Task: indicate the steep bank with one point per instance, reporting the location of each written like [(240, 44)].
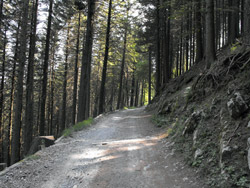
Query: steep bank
[(206, 113)]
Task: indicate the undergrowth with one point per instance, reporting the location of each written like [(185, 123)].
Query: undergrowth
[(77, 127), (159, 120)]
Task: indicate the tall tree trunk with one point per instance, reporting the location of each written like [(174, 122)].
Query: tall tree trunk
[(64, 99), (198, 31), (105, 63), (52, 99), (158, 50), (132, 90), (12, 93), (247, 22), (2, 86), (2, 95), (149, 74), (166, 44), (29, 116), (52, 88), (210, 39), (168, 50), (119, 101), (181, 48), (111, 97), (142, 93), (84, 91), (137, 94), (242, 16), (76, 71), (45, 72), (232, 21), (177, 59), (16, 128), (187, 42)]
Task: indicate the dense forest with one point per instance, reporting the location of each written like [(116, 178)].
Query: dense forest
[(64, 61)]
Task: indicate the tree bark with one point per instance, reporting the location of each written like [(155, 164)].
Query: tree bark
[(105, 63), (158, 50), (64, 99), (198, 31), (45, 72), (232, 21), (247, 22), (210, 39), (132, 90), (29, 116), (149, 73), (119, 101), (84, 91), (2, 95), (16, 128), (12, 93), (76, 71)]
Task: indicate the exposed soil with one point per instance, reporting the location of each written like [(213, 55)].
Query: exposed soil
[(123, 150)]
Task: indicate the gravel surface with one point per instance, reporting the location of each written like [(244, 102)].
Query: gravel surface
[(123, 150)]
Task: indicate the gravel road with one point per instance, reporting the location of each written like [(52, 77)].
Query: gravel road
[(123, 150)]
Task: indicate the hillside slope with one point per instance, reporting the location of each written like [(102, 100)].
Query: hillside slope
[(206, 113)]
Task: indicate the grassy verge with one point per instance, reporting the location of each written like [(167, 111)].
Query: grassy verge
[(77, 127)]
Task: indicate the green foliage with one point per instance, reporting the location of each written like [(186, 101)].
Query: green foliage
[(67, 132), (234, 47), (243, 182), (132, 107), (197, 162), (79, 126)]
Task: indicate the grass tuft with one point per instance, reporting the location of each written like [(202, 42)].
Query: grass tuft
[(77, 127)]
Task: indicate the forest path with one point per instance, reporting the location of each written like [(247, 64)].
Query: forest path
[(123, 150)]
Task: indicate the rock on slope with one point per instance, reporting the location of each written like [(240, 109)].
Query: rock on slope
[(207, 116)]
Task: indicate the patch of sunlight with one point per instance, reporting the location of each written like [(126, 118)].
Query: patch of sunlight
[(116, 118), (130, 148), (187, 90), (136, 140), (89, 154), (131, 117), (107, 158), (162, 136)]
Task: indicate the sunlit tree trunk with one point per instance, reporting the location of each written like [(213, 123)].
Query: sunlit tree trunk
[(76, 71)]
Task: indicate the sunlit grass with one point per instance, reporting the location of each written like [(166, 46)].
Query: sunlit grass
[(77, 127)]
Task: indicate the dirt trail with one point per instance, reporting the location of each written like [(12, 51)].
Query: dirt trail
[(124, 150)]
